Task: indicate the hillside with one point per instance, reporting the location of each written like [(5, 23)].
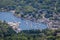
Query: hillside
[(44, 11), (7, 33), (34, 10)]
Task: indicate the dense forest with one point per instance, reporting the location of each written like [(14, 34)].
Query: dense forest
[(7, 33), (31, 9)]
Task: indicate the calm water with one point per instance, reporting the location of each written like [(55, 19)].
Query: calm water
[(24, 24)]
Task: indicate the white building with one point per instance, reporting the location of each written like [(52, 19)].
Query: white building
[(15, 26)]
